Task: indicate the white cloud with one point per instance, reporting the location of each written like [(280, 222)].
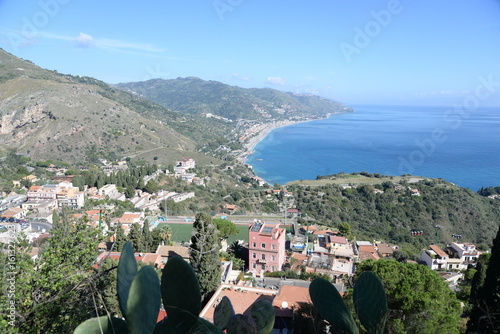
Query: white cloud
[(237, 76), (275, 81), (84, 41)]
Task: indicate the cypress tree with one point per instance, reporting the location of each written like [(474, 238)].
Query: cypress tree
[(135, 237), (147, 238), (204, 253), (485, 294), (120, 239)]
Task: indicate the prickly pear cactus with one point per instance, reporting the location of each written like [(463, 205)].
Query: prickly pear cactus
[(331, 306), (262, 312), (241, 324), (370, 302), (223, 313)]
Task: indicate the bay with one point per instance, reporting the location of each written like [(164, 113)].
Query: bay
[(459, 146)]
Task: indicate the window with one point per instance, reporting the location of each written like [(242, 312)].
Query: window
[(254, 255), (273, 246), (254, 266), (263, 256), (263, 245), (273, 257), (263, 267), (254, 244), (272, 268)]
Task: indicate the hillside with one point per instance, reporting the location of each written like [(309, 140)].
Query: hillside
[(196, 96), (388, 210), (47, 115)]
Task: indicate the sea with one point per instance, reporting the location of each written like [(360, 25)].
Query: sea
[(458, 145)]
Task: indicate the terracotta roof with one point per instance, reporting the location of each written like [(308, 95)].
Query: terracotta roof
[(170, 251), (385, 249), (338, 240), (366, 248), (294, 296), (438, 251), (368, 255), (241, 300)]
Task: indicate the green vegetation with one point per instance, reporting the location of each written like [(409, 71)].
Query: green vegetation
[(389, 211), (204, 253), (485, 293), (419, 299)]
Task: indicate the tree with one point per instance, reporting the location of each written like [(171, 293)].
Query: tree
[(226, 228), (135, 237), (344, 229), (55, 293), (204, 253), (129, 191), (120, 239), (147, 238), (485, 297), (419, 300), (151, 187), (161, 235)]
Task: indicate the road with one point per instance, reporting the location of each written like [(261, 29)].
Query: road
[(38, 226)]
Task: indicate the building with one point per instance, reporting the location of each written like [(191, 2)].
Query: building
[(466, 252), (435, 257), (266, 243), (63, 192)]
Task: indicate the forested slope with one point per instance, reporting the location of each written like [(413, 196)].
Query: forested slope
[(393, 214)]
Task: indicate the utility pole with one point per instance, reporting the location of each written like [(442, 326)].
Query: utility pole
[(438, 229)]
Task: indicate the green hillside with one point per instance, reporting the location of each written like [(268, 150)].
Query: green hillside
[(48, 115), (390, 211), (196, 96)]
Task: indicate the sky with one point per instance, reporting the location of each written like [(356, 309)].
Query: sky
[(396, 52)]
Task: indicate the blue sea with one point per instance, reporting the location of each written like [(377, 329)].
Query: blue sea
[(458, 145)]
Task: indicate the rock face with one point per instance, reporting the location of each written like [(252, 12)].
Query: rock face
[(47, 115), (17, 120)]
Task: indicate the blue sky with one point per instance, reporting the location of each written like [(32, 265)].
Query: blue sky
[(357, 52)]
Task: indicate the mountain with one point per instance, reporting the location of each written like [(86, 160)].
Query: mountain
[(48, 115), (192, 95)]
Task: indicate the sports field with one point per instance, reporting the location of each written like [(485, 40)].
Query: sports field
[(183, 232)]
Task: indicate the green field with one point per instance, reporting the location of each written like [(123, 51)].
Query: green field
[(183, 232)]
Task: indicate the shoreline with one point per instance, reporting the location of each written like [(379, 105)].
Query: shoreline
[(263, 131)]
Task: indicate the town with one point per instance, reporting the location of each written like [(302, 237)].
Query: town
[(277, 257)]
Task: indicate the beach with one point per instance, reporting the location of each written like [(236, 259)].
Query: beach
[(259, 132)]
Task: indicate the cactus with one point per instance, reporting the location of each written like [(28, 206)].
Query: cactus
[(370, 302), (102, 325), (181, 294), (139, 297), (331, 306), (143, 301), (241, 324), (127, 269), (223, 313), (262, 312)]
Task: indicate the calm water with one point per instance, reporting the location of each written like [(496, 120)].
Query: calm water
[(392, 140)]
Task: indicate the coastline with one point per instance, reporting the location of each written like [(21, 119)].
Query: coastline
[(263, 131)]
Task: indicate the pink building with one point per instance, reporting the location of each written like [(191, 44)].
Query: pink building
[(266, 243)]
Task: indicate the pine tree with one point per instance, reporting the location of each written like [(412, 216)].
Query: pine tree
[(204, 254)]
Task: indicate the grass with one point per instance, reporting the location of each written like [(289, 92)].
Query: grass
[(183, 232)]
